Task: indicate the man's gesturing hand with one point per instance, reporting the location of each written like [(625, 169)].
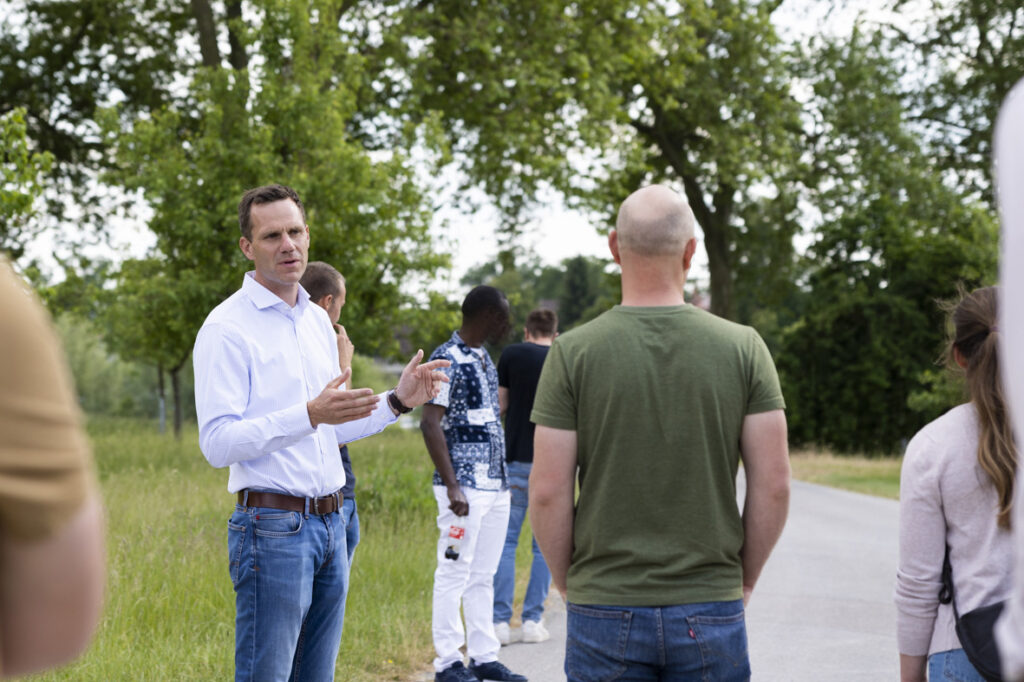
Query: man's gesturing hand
[(420, 383), (335, 406)]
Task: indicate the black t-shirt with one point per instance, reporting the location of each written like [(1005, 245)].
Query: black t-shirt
[(518, 371)]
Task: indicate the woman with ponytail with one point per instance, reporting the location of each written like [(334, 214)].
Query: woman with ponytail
[(956, 492)]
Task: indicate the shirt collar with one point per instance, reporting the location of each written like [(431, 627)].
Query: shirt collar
[(263, 297), (465, 347)]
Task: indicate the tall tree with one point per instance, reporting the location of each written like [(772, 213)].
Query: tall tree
[(597, 98), (283, 120), (61, 59), (969, 53), (892, 238)]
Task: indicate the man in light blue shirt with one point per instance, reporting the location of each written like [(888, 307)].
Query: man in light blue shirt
[(271, 406)]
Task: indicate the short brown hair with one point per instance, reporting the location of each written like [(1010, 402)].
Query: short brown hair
[(267, 194), (542, 322), (321, 279)]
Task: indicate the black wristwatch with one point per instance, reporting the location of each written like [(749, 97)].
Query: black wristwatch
[(396, 404)]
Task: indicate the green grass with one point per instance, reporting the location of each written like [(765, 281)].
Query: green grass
[(169, 612), (871, 475)]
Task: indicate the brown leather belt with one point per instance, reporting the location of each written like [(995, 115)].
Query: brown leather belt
[(328, 504)]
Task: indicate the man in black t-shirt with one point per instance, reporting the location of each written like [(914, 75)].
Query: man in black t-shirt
[(518, 372)]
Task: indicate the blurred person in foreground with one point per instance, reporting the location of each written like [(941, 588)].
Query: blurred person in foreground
[(1009, 171), (518, 372), (653, 405), (271, 406), (956, 487), (326, 287), (51, 519), (462, 432)]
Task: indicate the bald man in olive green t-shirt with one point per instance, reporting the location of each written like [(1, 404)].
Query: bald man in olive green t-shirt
[(654, 404)]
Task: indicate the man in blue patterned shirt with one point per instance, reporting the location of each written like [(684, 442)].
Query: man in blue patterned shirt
[(462, 431)]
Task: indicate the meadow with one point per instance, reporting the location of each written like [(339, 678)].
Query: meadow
[(870, 475), (169, 611)]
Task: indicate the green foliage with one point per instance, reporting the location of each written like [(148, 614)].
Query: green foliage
[(283, 121), (597, 98), (578, 289), (968, 54), (59, 61), (161, 558), (876, 147), (105, 384), (940, 390), (893, 240), (21, 171)]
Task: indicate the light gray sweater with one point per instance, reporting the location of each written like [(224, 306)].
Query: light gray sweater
[(946, 497)]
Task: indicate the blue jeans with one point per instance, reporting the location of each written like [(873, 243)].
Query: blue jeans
[(350, 515), (290, 573), (952, 666), (505, 578), (706, 642)]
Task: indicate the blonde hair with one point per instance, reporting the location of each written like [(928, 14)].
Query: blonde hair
[(974, 336)]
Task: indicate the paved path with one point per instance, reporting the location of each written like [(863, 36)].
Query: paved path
[(822, 610)]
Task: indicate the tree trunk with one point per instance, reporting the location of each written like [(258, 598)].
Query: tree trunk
[(717, 240), (717, 244), (162, 410), (238, 58), (713, 219), (207, 29), (176, 391)]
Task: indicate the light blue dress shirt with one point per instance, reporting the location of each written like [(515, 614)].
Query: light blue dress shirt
[(257, 362)]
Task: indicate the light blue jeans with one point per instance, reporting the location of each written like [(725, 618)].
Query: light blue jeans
[(952, 666), (705, 642), (290, 573), (505, 578)]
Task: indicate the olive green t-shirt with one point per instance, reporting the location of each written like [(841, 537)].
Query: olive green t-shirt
[(657, 397)]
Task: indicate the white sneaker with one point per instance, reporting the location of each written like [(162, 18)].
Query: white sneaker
[(503, 633), (534, 631)]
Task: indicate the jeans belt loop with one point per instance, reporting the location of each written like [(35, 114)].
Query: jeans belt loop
[(245, 498)]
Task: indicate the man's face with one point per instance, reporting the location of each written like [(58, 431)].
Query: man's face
[(337, 303), (500, 326), (279, 245)]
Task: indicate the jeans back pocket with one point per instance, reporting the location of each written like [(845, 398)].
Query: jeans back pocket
[(596, 644)]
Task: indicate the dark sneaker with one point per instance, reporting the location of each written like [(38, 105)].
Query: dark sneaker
[(494, 672), (456, 672)]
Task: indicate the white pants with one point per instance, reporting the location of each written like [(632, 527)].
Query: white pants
[(470, 578)]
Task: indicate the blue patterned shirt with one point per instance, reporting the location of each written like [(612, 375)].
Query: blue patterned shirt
[(471, 422)]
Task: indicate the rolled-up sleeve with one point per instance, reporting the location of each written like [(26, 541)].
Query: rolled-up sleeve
[(922, 548), (222, 386)]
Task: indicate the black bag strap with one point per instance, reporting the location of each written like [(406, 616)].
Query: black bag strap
[(946, 594)]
